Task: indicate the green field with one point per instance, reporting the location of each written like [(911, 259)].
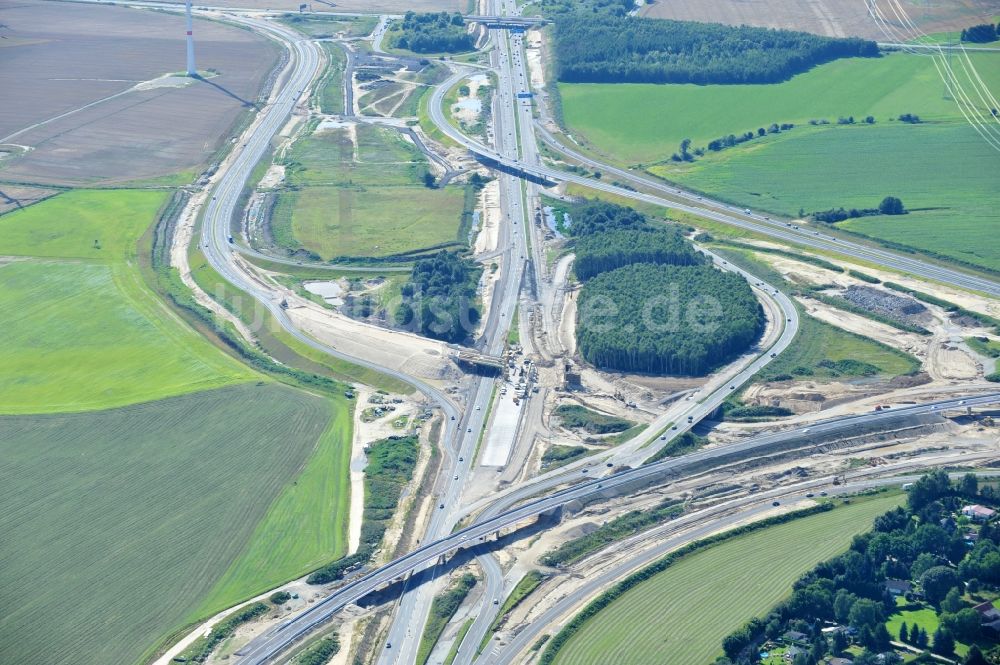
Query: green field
[(117, 523), (362, 199), (681, 615), (644, 123), (944, 173), (100, 225), (303, 529), (82, 331), (942, 169)]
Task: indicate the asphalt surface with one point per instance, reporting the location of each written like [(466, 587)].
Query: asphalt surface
[(713, 520), (275, 641)]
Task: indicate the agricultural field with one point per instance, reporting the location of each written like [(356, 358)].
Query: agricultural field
[(941, 168), (320, 26), (680, 615), (363, 197), (834, 18), (948, 195), (119, 522), (303, 529), (82, 330), (116, 93), (616, 119)]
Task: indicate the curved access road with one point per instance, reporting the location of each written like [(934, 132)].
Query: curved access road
[(277, 640)]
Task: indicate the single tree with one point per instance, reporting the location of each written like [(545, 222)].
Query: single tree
[(891, 205), (975, 657), (952, 601), (904, 634), (944, 643)]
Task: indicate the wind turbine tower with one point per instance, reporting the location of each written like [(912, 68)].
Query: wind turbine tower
[(191, 71)]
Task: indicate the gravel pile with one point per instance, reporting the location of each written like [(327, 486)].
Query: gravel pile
[(898, 307)]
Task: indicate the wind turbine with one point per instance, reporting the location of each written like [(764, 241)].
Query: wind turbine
[(191, 71)]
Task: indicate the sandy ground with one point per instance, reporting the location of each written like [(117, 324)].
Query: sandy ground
[(489, 219), (418, 356), (836, 18), (465, 110), (533, 56), (358, 463), (72, 55), (798, 271), (274, 177)]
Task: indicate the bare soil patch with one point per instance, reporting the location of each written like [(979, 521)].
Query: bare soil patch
[(836, 18), (69, 56), (15, 197)]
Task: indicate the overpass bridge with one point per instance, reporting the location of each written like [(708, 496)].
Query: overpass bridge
[(507, 22)]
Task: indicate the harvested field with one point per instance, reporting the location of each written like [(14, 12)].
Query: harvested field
[(680, 615), (117, 523), (67, 56), (836, 18), (16, 197)]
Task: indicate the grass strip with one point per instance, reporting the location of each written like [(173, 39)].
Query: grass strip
[(521, 590), (442, 610)]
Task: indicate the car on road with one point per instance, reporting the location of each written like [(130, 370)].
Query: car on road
[(456, 477), (461, 459), (441, 506), (805, 430), (479, 408), (810, 495), (822, 493), (469, 429), (609, 464), (496, 602), (775, 503)]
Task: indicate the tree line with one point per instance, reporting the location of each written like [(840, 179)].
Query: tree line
[(922, 545), (434, 33), (640, 50), (602, 252), (890, 205), (982, 33)]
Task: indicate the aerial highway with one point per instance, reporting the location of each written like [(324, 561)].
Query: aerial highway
[(688, 529), (275, 641)]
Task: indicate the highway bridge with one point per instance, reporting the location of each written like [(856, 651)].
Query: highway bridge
[(275, 641), (506, 22)]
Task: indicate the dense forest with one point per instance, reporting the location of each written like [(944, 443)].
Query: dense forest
[(591, 217), (439, 301), (681, 320), (925, 558), (639, 50), (601, 252), (433, 33)]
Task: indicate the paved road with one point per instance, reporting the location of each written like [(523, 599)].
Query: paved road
[(275, 641), (720, 212), (712, 520), (414, 606)]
